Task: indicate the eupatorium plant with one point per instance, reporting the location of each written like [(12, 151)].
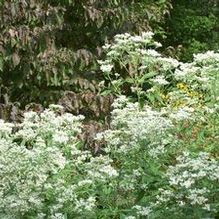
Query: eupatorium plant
[(160, 158), (44, 174)]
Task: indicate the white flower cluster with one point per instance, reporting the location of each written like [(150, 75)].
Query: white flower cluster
[(130, 217), (149, 52), (168, 63), (127, 43), (137, 62), (124, 39), (202, 73), (85, 204), (209, 57), (142, 211), (5, 128), (42, 171), (189, 178), (160, 80), (190, 170), (106, 67), (50, 127), (130, 180), (131, 125), (100, 168), (24, 174), (183, 113)]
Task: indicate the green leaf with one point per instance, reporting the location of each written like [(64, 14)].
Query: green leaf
[(148, 75)]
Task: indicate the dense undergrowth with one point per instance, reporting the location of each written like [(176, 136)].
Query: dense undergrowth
[(159, 156)]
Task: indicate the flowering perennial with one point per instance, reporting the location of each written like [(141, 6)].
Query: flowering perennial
[(159, 156)]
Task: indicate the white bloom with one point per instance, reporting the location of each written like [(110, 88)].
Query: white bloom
[(160, 80), (30, 116), (187, 184), (58, 216), (99, 136), (157, 44), (85, 182), (169, 62), (131, 125), (130, 217), (60, 137), (148, 34), (180, 74), (5, 128), (85, 204), (137, 39), (142, 211), (182, 114), (149, 52), (111, 172), (106, 68), (205, 57), (106, 46), (152, 52), (117, 75)]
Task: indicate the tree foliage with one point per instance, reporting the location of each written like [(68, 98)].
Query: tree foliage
[(50, 46), (193, 27)]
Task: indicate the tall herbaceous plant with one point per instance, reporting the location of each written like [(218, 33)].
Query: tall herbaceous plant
[(159, 155)]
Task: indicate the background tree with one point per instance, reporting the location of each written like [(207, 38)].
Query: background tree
[(192, 27), (48, 47)]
